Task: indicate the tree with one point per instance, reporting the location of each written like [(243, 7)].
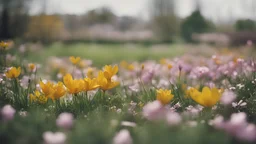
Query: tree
[(164, 20), (45, 28), (195, 23), (100, 15), (14, 18), (245, 25)]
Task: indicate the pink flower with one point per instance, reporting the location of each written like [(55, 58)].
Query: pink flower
[(236, 123), (217, 122), (147, 77), (154, 110), (54, 138), (122, 137), (227, 97), (247, 133), (65, 120), (173, 118), (8, 112)]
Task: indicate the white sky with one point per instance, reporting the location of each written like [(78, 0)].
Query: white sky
[(214, 9)]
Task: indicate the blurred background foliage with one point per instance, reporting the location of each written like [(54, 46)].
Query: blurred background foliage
[(102, 24)]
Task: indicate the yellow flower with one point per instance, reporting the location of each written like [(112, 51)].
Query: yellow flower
[(207, 98), (110, 71), (38, 97), (164, 96), (74, 60), (142, 67), (130, 67), (59, 90), (31, 66), (169, 66), (163, 61), (74, 86), (4, 45), (53, 91), (13, 72), (104, 83), (90, 84), (123, 64), (89, 73), (47, 89)]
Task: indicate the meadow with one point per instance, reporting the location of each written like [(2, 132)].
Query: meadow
[(127, 94)]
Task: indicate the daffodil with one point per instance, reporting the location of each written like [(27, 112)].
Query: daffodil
[(90, 84), (74, 60), (73, 86), (105, 83), (13, 72), (110, 71), (164, 96), (38, 97), (207, 98)]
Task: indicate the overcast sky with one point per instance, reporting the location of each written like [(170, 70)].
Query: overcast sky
[(214, 9)]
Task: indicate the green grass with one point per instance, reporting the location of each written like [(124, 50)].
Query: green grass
[(102, 54)]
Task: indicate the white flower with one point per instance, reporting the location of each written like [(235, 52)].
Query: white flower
[(54, 138), (135, 87), (128, 124), (240, 86), (65, 120), (8, 112), (122, 137), (239, 104)]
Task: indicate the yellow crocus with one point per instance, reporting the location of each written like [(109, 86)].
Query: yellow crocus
[(74, 60), (73, 86), (59, 90), (90, 73), (104, 83), (4, 45), (31, 66), (164, 96), (38, 97), (110, 71), (130, 67), (169, 66), (90, 84), (207, 98), (53, 91), (47, 88), (13, 72), (163, 61), (123, 64)]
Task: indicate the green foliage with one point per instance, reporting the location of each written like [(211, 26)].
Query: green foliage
[(245, 25), (195, 23), (165, 23)]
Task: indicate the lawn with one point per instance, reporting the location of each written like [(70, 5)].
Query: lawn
[(102, 54)]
